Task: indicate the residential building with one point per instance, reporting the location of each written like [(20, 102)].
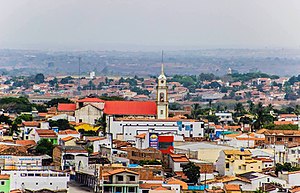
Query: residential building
[(37, 180), (5, 183), (120, 180), (232, 162)]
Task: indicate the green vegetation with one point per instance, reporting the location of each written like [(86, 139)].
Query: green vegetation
[(285, 167), (252, 75), (192, 172), (54, 102), (149, 162), (62, 124), (44, 146), (16, 105)]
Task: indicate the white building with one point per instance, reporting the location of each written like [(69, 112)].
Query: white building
[(37, 180), (127, 129), (224, 117)]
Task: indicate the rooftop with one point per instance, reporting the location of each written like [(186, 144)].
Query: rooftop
[(130, 108)]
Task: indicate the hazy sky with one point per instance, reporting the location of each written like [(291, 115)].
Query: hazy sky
[(89, 24)]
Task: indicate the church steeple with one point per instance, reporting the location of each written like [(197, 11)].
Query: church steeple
[(162, 94)]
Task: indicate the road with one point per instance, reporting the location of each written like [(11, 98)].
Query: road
[(77, 188)]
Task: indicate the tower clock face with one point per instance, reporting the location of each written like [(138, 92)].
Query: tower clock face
[(162, 81)]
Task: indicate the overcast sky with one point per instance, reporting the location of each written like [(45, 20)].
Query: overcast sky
[(92, 24)]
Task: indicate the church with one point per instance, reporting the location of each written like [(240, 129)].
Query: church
[(129, 120)]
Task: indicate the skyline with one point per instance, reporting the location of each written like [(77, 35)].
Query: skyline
[(149, 25)]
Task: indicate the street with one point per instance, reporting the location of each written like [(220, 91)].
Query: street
[(77, 188)]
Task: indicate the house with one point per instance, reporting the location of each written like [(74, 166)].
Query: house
[(120, 180), (259, 180), (224, 117), (68, 133), (50, 135), (292, 178), (281, 137), (27, 127), (177, 161), (66, 108), (232, 162), (16, 157), (35, 180), (5, 183), (162, 190), (65, 156), (99, 142), (288, 117)]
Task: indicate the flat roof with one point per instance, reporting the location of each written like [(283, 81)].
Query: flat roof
[(195, 146)]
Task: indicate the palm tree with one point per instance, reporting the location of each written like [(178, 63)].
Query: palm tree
[(239, 109)]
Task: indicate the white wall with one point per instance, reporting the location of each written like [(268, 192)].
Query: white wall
[(40, 179), (130, 128)]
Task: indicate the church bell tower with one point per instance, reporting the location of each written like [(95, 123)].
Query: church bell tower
[(162, 96)]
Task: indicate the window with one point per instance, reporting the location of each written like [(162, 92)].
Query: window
[(241, 157), (240, 167), (30, 174), (2, 183), (161, 112), (118, 189), (80, 120), (50, 183), (131, 178), (290, 139), (131, 189), (36, 183), (161, 97), (23, 175), (268, 179), (227, 165), (229, 156), (120, 178), (279, 139), (293, 151)]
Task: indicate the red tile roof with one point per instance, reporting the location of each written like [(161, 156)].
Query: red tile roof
[(66, 107), (45, 133), (179, 158), (232, 187), (90, 100), (117, 171), (68, 132), (67, 138), (31, 123), (130, 108), (25, 142), (4, 176)]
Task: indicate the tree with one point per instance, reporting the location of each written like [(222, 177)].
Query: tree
[(44, 146), (62, 124), (239, 109), (54, 102), (23, 117), (39, 78), (192, 172)]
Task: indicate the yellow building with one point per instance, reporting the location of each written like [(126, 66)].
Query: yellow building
[(232, 162), (86, 127)]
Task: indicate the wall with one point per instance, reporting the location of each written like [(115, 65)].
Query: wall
[(130, 128), (39, 180), (88, 114), (5, 187)]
